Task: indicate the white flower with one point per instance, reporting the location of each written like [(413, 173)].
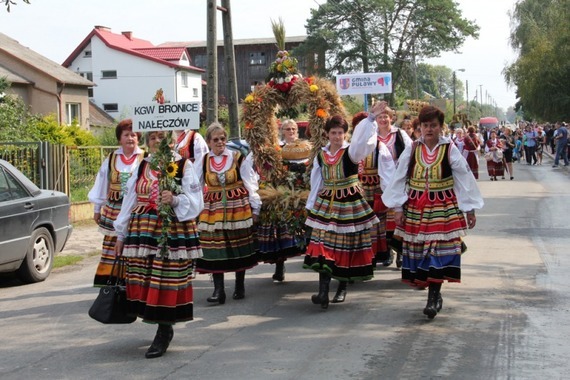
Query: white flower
[(280, 81), (288, 79)]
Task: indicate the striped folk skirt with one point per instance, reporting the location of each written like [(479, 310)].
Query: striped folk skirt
[(276, 243), (109, 214), (372, 194), (341, 243), (431, 261), (226, 235), (160, 290), (431, 234), (343, 256)]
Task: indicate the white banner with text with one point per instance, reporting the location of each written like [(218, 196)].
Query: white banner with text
[(364, 83), (166, 117)]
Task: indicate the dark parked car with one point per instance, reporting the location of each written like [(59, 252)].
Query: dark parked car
[(34, 225)]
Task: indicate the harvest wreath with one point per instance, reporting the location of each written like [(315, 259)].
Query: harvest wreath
[(282, 201)]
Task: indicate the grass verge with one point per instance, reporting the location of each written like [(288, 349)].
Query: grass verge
[(62, 261)]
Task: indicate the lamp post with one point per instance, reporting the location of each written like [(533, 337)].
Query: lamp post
[(454, 80)]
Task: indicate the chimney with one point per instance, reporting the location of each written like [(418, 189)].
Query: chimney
[(129, 35), (104, 28)]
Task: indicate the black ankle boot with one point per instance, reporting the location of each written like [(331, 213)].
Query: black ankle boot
[(239, 292), (340, 292), (431, 308), (219, 294), (322, 297), (161, 341), (279, 274)]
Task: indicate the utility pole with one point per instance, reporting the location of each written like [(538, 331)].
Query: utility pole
[(454, 112), (481, 95), (229, 55), (212, 51), (467, 97)]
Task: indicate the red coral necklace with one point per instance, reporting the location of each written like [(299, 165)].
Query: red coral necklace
[(218, 167)]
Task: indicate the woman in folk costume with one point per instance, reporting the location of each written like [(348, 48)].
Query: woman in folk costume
[(159, 274), (396, 140), (433, 193), (340, 246), (108, 191), (494, 148), (471, 151), (374, 173), (276, 241), (191, 145), (231, 207)]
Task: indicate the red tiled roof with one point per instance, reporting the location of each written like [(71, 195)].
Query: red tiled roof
[(122, 41), (168, 54), (126, 43)]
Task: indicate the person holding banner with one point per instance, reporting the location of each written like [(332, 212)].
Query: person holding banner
[(232, 207), (340, 245), (159, 272), (108, 192)]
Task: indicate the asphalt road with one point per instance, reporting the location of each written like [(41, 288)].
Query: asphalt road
[(506, 320)]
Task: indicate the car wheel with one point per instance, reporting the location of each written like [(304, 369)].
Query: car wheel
[(39, 259)]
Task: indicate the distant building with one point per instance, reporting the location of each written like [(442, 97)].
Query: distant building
[(128, 71), (253, 58), (45, 86)]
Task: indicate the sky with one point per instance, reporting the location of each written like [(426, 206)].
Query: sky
[(54, 28)]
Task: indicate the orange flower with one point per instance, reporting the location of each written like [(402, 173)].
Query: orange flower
[(248, 125), (322, 113)]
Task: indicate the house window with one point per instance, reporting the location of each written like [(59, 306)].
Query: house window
[(257, 58), (195, 92), (111, 107), (109, 74), (72, 112), (90, 92), (184, 76), (87, 53), (200, 61), (87, 75)]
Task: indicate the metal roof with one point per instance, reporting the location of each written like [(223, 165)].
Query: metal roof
[(247, 41)]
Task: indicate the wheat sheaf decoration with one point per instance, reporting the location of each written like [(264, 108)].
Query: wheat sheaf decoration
[(286, 89)]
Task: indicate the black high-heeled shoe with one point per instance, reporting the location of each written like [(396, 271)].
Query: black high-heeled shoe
[(322, 298), (161, 341), (239, 292), (340, 295)]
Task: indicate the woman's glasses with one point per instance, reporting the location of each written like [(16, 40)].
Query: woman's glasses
[(219, 139)]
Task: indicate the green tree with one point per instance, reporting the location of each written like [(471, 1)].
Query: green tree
[(383, 35), (541, 73), (15, 120)]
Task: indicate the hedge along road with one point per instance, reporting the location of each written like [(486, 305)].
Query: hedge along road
[(505, 320)]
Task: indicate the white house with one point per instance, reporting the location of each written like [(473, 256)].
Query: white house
[(128, 71)]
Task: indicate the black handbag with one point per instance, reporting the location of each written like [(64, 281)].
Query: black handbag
[(110, 306)]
